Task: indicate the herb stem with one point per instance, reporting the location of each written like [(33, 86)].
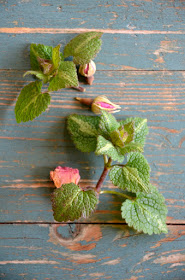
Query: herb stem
[(118, 193), (79, 88), (107, 164)]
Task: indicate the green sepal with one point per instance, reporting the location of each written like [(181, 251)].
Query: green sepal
[(70, 202), (31, 102), (84, 131), (146, 213), (84, 47)]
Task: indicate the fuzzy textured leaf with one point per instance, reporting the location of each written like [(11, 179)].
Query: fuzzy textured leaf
[(70, 202), (134, 176), (84, 47), (105, 147), (84, 131), (146, 213), (56, 57), (66, 77), (140, 129), (31, 102), (39, 50), (40, 75), (108, 124), (131, 147)]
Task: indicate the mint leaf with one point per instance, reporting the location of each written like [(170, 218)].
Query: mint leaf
[(38, 74), (83, 47), (105, 147), (108, 124), (66, 77), (84, 131), (129, 128), (140, 130), (70, 202), (56, 57), (131, 147), (146, 213), (31, 102), (134, 176), (39, 50)]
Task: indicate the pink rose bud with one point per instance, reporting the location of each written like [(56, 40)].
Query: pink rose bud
[(87, 70), (64, 175), (102, 103)]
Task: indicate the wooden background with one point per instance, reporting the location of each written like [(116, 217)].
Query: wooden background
[(141, 67)]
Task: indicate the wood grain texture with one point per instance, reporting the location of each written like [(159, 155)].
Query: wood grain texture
[(119, 51), (30, 150), (158, 15), (90, 252), (139, 35)]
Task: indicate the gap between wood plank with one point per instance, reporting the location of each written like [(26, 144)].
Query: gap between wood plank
[(71, 223), (27, 30)]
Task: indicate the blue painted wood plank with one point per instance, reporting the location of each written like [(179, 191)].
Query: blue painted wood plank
[(90, 252), (119, 51), (127, 15), (30, 150)]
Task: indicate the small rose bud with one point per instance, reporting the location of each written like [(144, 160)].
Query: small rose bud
[(102, 103), (64, 175), (87, 70)]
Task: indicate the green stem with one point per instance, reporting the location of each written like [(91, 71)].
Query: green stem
[(118, 193)]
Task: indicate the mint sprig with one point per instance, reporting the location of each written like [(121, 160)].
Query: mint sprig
[(123, 142), (48, 65)]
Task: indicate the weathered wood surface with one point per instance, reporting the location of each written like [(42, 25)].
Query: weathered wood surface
[(119, 51), (139, 35), (90, 252), (37, 147)]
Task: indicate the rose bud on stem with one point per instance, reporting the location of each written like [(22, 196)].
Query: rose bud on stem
[(88, 70), (100, 103)]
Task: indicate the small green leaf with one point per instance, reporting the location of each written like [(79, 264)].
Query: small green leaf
[(39, 50), (108, 124), (84, 131), (131, 147), (38, 74), (105, 147), (66, 77), (146, 213), (134, 176), (140, 130), (129, 128), (84, 47), (31, 102), (56, 57), (70, 202)]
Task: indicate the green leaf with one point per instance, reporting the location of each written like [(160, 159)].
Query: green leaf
[(66, 77), (84, 47), (129, 128), (134, 176), (105, 147), (108, 124), (31, 102), (70, 202), (146, 213), (131, 147), (84, 131), (140, 130), (38, 74), (56, 57), (39, 50)]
